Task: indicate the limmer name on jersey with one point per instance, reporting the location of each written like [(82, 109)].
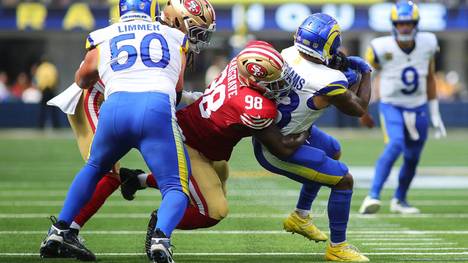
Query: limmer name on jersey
[(138, 27)]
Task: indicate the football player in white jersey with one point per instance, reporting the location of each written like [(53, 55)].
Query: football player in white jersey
[(316, 86), (141, 64), (407, 88)]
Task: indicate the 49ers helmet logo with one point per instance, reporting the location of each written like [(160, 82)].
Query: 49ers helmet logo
[(193, 6), (256, 70)]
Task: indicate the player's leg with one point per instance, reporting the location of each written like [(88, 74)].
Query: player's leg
[(394, 137), (411, 155), (208, 199), (83, 124), (164, 152), (300, 221), (105, 151), (309, 164)]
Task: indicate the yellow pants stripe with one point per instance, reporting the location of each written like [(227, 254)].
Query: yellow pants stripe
[(384, 128), (181, 158), (305, 172)]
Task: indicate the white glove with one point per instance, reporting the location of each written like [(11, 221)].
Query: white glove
[(189, 97), (436, 119)]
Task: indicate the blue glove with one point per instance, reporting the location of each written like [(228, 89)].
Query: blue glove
[(352, 76), (359, 64)]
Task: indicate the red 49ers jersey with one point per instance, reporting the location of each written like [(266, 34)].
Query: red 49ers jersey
[(225, 114)]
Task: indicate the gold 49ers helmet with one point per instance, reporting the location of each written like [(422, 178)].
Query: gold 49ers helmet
[(262, 67), (196, 18)]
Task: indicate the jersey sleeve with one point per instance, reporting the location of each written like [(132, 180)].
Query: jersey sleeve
[(95, 38), (335, 84), (432, 41), (258, 112), (372, 58), (184, 48)]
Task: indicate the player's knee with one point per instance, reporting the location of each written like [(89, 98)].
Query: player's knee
[(219, 210), (346, 183)]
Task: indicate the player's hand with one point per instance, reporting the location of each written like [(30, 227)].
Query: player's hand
[(440, 131), (436, 119), (359, 64), (352, 76), (367, 121)]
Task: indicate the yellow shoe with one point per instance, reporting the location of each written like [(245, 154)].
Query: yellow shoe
[(304, 227), (344, 252)]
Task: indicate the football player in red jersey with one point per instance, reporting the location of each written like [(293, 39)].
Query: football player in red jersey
[(239, 103)]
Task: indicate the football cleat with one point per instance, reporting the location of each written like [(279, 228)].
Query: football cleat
[(402, 207), (304, 227), (344, 253), (161, 251), (61, 242), (149, 232), (129, 182), (370, 205)]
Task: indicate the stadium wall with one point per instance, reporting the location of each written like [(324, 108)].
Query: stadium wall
[(20, 115)]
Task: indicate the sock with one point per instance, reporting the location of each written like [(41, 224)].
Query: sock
[(407, 173), (142, 178), (308, 193), (339, 204), (151, 182), (80, 192), (105, 187), (384, 167), (171, 211), (302, 213), (74, 225), (193, 219)]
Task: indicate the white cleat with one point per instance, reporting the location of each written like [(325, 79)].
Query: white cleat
[(370, 206), (402, 207)]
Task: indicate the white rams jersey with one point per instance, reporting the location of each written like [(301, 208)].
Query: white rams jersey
[(297, 112), (403, 77), (139, 56)]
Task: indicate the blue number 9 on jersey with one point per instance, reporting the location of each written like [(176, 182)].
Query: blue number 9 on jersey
[(132, 52), (410, 77)]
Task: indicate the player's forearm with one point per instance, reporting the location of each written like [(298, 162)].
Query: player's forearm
[(293, 141), (85, 81), (365, 90), (431, 87)]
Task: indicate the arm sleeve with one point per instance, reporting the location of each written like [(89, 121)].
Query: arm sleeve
[(334, 88)]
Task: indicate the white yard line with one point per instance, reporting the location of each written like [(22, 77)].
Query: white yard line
[(256, 254), (396, 239), (251, 232), (408, 244), (242, 215), (419, 248), (242, 203)]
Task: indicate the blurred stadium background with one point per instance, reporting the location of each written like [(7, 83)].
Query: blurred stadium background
[(36, 167)]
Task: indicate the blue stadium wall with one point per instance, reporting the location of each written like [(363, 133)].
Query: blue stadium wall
[(20, 115)]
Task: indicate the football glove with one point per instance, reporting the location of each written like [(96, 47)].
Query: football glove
[(436, 119), (359, 64)]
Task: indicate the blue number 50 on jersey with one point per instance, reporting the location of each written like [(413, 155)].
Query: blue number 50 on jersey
[(132, 52)]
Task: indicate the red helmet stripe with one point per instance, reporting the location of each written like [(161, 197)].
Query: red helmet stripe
[(275, 56)]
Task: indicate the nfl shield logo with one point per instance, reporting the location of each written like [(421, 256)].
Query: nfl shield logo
[(388, 56)]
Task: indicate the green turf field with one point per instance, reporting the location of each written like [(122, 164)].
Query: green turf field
[(36, 169)]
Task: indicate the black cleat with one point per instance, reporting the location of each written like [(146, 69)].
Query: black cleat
[(129, 182), (161, 251), (149, 232), (61, 242)]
